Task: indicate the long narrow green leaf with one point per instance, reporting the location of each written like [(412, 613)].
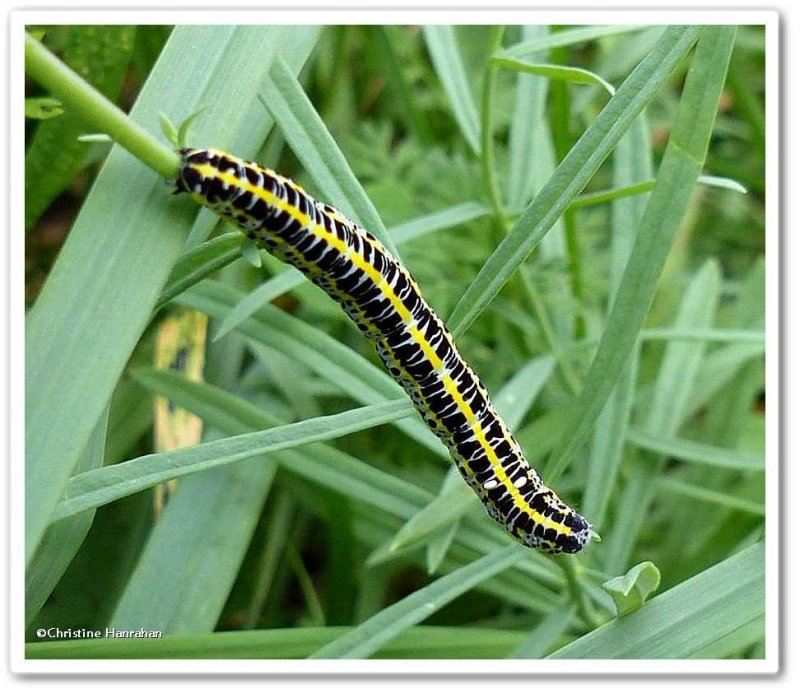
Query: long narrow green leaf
[(569, 37), (707, 335), (439, 220), (710, 496), (260, 296), (526, 130), (686, 619), (665, 208), (377, 631), (666, 411), (314, 146), (719, 368), (200, 262), (573, 173), (320, 463), (91, 489), (428, 642), (694, 452), (443, 49)]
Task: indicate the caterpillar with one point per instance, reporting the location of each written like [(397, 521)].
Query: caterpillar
[(386, 304)]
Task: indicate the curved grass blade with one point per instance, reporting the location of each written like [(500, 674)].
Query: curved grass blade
[(200, 262), (575, 75)]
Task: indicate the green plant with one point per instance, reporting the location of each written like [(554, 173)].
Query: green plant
[(613, 333)]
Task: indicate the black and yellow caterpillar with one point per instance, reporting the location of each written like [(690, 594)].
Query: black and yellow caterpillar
[(380, 295)]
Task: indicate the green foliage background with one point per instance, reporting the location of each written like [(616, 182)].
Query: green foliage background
[(649, 417)]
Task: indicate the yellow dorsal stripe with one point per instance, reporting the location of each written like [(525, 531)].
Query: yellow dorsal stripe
[(519, 500)]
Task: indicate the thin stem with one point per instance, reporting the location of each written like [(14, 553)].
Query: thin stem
[(487, 140), (571, 567), (568, 375), (95, 110), (560, 116)]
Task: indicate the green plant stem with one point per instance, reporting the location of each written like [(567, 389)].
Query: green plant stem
[(487, 141), (95, 110), (562, 141), (571, 567), (567, 373)]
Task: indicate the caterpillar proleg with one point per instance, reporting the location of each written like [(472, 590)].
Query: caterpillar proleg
[(386, 304)]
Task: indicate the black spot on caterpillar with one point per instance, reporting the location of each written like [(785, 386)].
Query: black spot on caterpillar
[(380, 295)]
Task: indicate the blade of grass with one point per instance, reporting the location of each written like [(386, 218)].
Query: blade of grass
[(569, 37), (574, 75), (442, 47), (573, 173), (416, 642), (328, 466), (200, 262), (710, 496), (644, 186), (666, 410), (365, 639), (526, 129), (437, 221), (708, 335), (541, 639), (306, 134), (694, 452), (96, 488)]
